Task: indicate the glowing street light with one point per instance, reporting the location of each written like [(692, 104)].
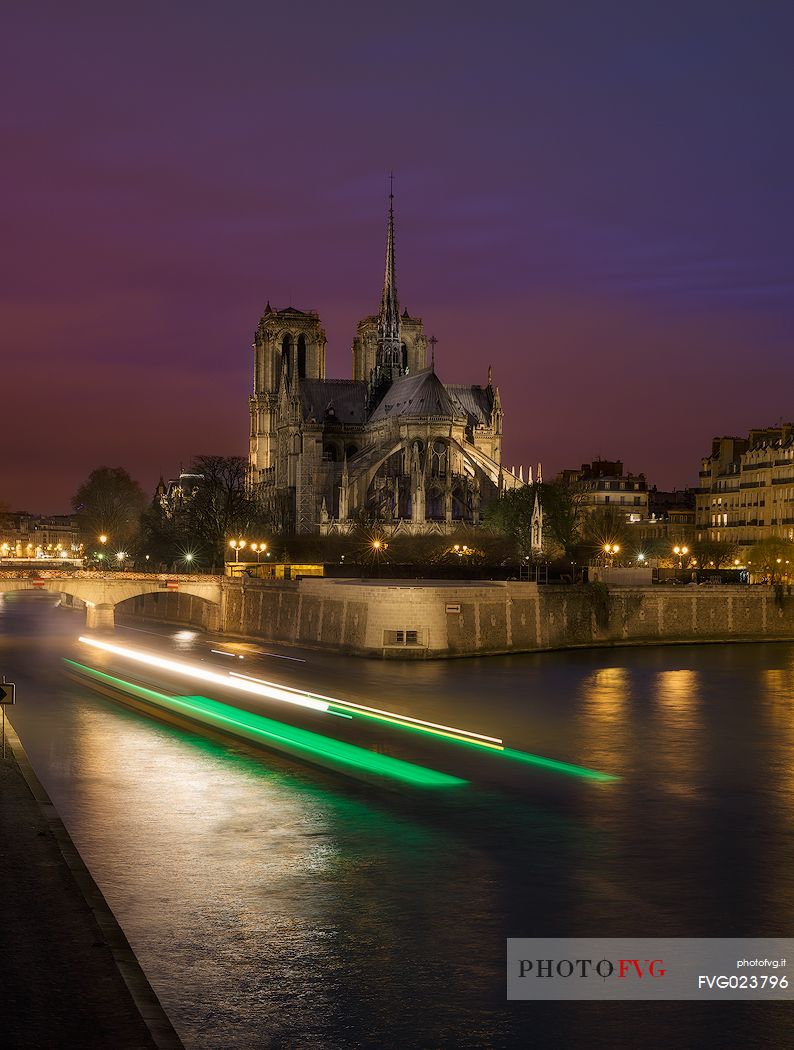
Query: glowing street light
[(680, 553), (610, 551), (258, 549), (237, 546), (378, 548), (461, 550)]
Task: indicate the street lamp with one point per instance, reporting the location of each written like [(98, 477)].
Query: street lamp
[(237, 546), (378, 547), (258, 549), (610, 550), (120, 556), (680, 553), (461, 550)]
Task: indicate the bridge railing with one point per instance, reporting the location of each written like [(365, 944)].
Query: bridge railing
[(93, 574)]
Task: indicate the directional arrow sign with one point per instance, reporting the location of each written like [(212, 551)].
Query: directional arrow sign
[(7, 690)]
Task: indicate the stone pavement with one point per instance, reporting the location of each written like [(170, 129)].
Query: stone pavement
[(68, 977)]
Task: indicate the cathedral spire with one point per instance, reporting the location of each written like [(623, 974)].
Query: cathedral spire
[(390, 350), (389, 306)]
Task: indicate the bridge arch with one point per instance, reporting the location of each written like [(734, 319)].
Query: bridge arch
[(177, 607), (102, 592)]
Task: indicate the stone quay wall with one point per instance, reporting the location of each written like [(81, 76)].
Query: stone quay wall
[(420, 619)]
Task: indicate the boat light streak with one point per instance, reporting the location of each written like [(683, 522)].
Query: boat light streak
[(317, 702), (301, 743), (272, 691)]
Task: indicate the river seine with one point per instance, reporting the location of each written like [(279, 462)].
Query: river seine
[(272, 904)]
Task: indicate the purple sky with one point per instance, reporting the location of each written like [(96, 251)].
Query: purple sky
[(596, 199)]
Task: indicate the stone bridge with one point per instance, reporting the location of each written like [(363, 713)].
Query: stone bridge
[(101, 592)]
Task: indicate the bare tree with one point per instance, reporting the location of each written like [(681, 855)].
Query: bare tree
[(110, 503)]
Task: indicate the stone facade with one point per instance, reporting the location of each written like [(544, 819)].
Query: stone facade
[(603, 483), (746, 491), (421, 619), (393, 445)]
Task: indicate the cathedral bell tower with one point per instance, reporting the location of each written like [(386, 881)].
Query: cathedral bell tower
[(289, 347)]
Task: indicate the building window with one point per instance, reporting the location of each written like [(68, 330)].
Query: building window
[(403, 637), (438, 464)]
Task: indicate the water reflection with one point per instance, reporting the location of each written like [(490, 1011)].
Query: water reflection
[(677, 731)]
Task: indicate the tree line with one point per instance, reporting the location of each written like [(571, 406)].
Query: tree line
[(194, 528)]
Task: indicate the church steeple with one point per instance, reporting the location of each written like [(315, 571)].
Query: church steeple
[(389, 357), (389, 319)]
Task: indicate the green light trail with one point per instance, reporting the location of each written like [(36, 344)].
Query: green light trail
[(552, 764), (558, 767), (299, 742)]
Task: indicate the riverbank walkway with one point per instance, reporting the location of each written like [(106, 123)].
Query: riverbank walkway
[(68, 975)]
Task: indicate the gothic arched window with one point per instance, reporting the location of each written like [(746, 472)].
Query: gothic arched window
[(435, 503), (302, 357), (439, 461)]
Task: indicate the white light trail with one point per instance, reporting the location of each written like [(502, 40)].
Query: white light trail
[(373, 710), (268, 689)]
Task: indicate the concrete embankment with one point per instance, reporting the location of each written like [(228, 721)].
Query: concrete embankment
[(70, 979), (434, 618)]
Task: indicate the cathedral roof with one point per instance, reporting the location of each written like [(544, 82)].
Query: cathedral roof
[(475, 402), (347, 398), (421, 394)]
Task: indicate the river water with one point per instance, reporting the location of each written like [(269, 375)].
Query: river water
[(275, 905)]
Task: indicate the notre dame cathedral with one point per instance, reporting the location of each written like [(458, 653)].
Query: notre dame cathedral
[(393, 444)]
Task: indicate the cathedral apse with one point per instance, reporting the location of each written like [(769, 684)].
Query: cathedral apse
[(393, 444)]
